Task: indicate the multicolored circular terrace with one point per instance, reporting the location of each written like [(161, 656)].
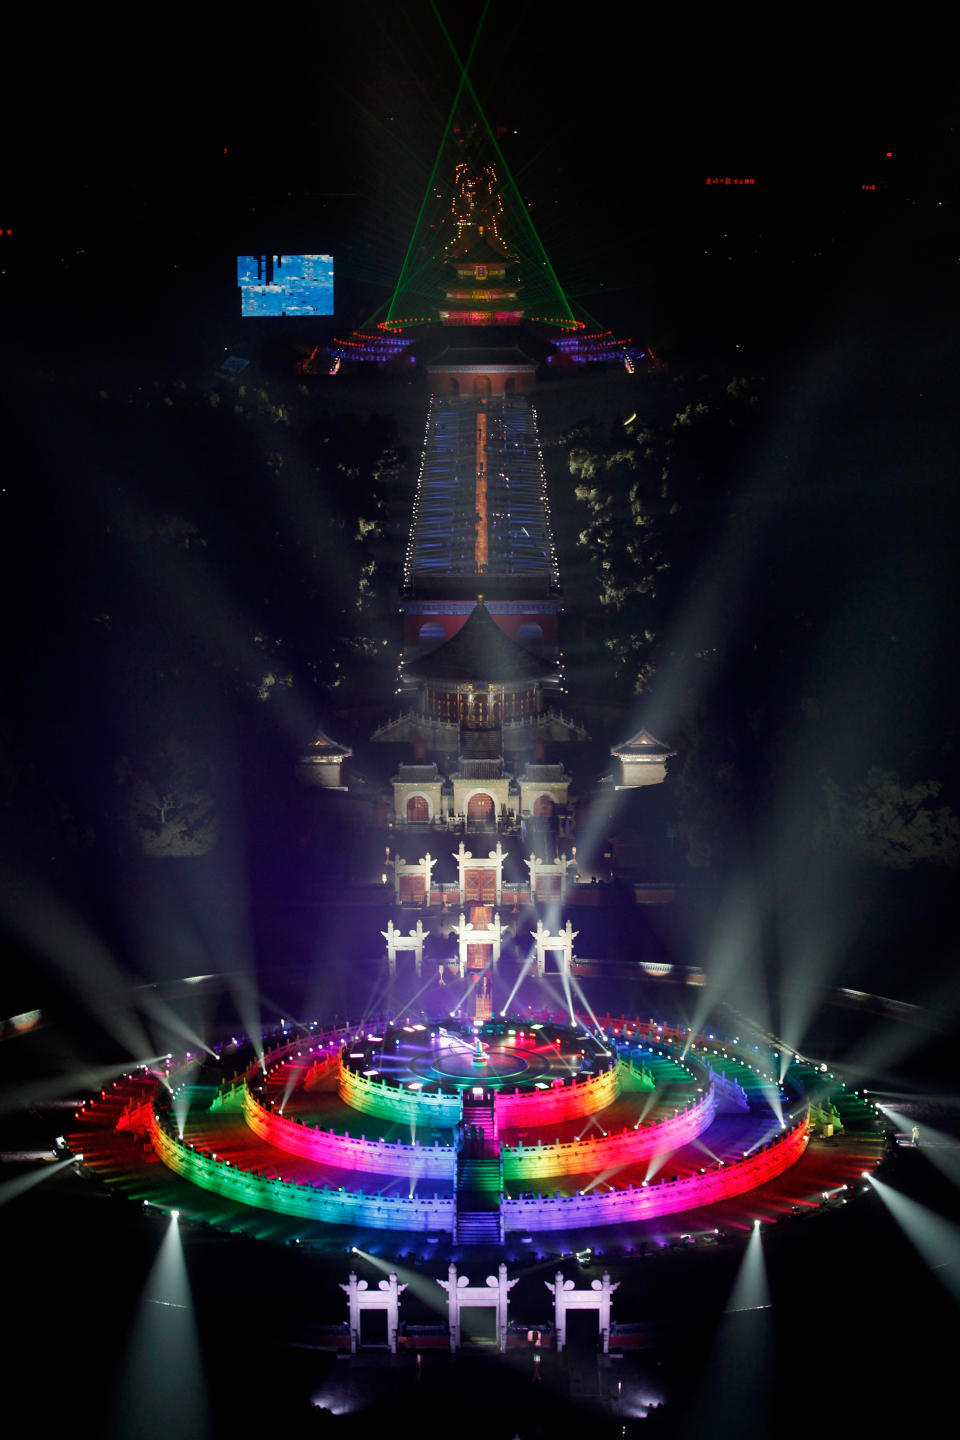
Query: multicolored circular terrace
[(516, 1125)]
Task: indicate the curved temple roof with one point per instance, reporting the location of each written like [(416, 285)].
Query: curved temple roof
[(480, 649)]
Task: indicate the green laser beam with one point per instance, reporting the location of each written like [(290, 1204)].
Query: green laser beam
[(423, 204), (522, 209)]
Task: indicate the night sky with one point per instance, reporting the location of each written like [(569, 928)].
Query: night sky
[(162, 557)]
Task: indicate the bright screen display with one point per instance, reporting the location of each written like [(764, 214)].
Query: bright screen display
[(285, 284)]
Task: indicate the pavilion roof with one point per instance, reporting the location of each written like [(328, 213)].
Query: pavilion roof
[(320, 744), (544, 773), (480, 651), (643, 743)]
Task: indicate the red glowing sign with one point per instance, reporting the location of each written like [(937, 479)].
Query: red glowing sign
[(730, 180)]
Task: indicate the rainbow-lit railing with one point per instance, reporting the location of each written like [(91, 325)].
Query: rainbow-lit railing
[(337, 1207), (645, 1202), (437, 1212), (590, 1156), (561, 1102), (389, 1102), (346, 1152)]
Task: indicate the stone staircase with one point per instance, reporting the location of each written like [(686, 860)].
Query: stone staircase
[(479, 1177)]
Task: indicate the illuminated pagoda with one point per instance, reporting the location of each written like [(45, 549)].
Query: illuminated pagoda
[(483, 285)]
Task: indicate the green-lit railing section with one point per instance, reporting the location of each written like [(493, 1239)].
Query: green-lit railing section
[(390, 1102)]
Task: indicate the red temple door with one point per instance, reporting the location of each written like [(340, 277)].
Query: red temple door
[(480, 807)]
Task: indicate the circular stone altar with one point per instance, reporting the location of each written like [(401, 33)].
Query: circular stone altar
[(510, 1126)]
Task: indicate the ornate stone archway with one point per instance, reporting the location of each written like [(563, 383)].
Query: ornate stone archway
[(567, 1297), (548, 878), (476, 873), (385, 1297), (562, 942), (469, 934), (411, 882), (412, 941), (462, 1295)]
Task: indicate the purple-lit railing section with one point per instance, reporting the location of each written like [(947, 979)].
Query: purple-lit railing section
[(645, 1202)]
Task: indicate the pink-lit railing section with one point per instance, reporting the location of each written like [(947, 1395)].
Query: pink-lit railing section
[(589, 1156), (520, 1162), (337, 1207), (611, 1207), (346, 1152), (561, 1102)]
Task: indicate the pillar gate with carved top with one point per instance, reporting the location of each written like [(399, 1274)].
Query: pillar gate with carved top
[(412, 941), (462, 1295), (481, 880), (385, 1297), (567, 1297), (412, 881), (469, 934), (562, 942), (548, 879)]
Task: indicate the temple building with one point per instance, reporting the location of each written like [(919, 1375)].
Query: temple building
[(481, 681), (643, 760), (481, 273), (486, 708), (481, 731), (321, 763)]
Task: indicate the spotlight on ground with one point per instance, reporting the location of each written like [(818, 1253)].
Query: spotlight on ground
[(936, 1239), (11, 1189), (163, 1386)]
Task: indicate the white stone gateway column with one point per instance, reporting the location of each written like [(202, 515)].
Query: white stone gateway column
[(494, 861), (469, 934), (562, 942), (545, 869), (385, 1297), (462, 1295), (567, 1297), (413, 941), (424, 866)]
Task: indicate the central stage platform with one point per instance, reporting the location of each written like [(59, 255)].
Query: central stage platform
[(451, 1055)]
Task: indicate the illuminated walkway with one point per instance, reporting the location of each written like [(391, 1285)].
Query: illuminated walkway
[(481, 507)]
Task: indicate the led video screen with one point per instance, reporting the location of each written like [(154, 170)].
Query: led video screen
[(285, 284)]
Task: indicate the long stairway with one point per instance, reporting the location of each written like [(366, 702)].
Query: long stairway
[(479, 1177)]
